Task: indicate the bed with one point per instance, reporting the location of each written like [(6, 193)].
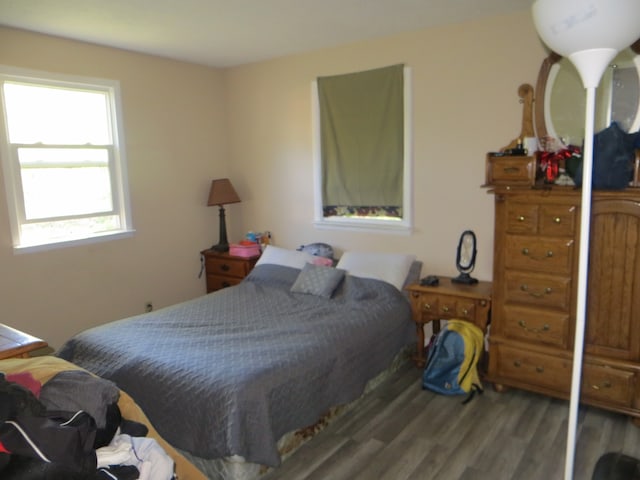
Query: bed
[(226, 375), (44, 368)]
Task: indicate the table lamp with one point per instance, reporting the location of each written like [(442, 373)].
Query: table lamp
[(222, 193), (590, 34)]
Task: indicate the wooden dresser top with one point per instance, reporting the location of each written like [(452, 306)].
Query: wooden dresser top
[(14, 343)]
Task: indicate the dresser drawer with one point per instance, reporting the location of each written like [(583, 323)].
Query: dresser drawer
[(229, 267), (608, 384), (522, 218), (538, 326), (511, 170), (558, 220), (538, 290), (534, 368), (540, 254)]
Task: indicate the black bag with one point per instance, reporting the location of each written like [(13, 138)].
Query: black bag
[(55, 437), (613, 157)]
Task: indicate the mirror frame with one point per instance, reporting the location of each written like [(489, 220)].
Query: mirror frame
[(541, 86)]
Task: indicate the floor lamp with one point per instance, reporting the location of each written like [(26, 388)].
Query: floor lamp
[(590, 33)]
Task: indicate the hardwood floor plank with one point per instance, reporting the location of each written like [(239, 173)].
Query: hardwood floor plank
[(401, 432), (397, 460), (347, 462)]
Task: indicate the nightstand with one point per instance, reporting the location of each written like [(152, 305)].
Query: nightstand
[(448, 300), (224, 270), (17, 344)]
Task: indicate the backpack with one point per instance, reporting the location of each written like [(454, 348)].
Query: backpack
[(452, 362)]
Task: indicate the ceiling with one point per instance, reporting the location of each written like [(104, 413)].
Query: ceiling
[(225, 33)]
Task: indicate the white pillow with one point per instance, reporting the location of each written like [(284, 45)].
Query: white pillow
[(393, 268), (282, 256)]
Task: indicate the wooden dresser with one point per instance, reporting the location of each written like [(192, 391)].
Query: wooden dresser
[(224, 270), (534, 295)]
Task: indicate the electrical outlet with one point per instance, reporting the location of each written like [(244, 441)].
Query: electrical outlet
[(148, 307)]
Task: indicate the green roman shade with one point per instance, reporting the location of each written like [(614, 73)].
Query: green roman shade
[(362, 142)]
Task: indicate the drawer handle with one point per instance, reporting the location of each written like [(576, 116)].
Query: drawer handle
[(426, 306), (445, 309), (511, 169), (525, 251), (521, 218), (517, 363), (539, 369), (225, 284), (605, 384), (557, 220), (546, 291), (465, 312), (545, 327), (224, 267)]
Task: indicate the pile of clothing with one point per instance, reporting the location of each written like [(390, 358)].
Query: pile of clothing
[(71, 428)]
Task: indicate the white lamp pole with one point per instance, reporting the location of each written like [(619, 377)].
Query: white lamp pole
[(590, 33)]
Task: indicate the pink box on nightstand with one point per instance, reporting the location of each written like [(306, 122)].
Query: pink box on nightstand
[(246, 251)]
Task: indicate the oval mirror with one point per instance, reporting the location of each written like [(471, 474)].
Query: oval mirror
[(560, 97)]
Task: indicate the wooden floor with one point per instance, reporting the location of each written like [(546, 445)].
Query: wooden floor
[(400, 431)]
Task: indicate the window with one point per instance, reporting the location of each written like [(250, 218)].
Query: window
[(362, 149), (62, 158)]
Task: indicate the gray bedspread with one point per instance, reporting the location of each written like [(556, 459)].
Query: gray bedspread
[(230, 372)]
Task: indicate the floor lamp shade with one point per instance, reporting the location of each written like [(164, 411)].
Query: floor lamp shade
[(590, 34), (220, 194)]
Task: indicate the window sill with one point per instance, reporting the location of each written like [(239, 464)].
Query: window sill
[(400, 228), (20, 249)]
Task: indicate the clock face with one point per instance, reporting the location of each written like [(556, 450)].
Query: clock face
[(466, 251)]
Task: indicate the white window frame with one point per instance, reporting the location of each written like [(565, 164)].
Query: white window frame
[(402, 226), (116, 152)]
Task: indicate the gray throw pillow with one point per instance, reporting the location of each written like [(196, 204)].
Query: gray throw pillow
[(318, 280)]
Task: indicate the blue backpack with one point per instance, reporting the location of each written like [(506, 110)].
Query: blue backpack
[(452, 361)]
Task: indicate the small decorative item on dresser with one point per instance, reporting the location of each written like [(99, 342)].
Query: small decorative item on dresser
[(224, 270), (466, 258), (510, 170)]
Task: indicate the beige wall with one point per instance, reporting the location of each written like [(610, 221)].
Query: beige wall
[(175, 144), (185, 125), (465, 81)]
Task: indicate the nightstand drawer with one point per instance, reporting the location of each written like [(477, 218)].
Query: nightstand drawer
[(217, 282), (228, 267), (445, 306)]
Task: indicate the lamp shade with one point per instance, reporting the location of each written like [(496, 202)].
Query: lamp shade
[(590, 33), (222, 193)]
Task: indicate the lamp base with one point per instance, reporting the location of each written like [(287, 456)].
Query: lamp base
[(220, 247)]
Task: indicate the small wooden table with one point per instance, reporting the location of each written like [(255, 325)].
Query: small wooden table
[(224, 270), (17, 344), (448, 300)]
